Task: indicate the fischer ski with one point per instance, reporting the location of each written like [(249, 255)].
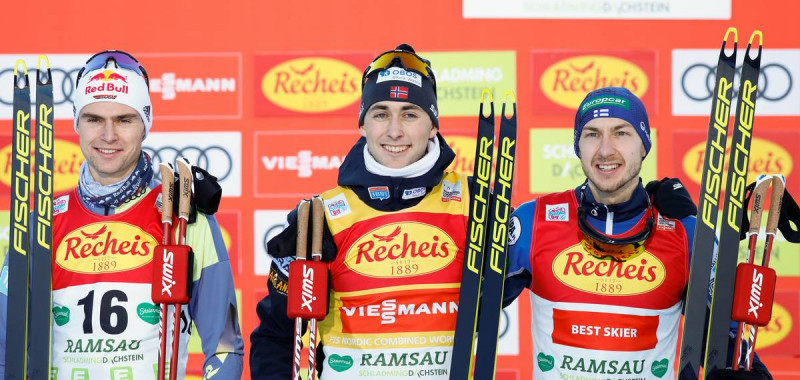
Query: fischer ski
[(471, 275), (694, 316), (728, 253), (483, 274), (19, 230), (41, 248), (496, 246)]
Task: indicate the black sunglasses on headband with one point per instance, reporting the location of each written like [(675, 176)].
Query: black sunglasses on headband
[(120, 58)]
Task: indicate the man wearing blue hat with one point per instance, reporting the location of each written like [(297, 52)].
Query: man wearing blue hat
[(607, 263)]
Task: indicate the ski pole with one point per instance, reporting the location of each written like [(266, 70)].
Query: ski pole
[(300, 254), (778, 186), (317, 218), (167, 200), (759, 195), (184, 205)]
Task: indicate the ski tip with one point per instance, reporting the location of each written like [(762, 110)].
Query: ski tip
[(753, 37), (20, 63), (42, 58), (510, 94), (510, 98), (735, 32), (486, 92)]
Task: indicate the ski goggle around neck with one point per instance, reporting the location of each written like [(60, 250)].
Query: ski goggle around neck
[(400, 58), (121, 60), (601, 245)]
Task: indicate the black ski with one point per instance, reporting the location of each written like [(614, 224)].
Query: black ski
[(728, 253), (18, 240), (41, 241), (496, 247), (467, 318), (694, 321)]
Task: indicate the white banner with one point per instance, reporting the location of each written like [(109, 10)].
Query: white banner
[(599, 9), (694, 72)]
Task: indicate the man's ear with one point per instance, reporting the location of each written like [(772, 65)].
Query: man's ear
[(362, 131)]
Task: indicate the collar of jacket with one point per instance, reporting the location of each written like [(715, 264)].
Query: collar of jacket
[(354, 174), (632, 208)]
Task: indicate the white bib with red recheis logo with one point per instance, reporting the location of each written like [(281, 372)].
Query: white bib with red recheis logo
[(599, 319)]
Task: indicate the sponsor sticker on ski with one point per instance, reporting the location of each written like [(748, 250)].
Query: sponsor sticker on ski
[(557, 213), (337, 207)]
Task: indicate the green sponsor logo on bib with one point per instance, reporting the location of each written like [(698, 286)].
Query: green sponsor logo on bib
[(340, 363), (148, 312), (659, 368), (61, 315), (545, 362), (80, 374)]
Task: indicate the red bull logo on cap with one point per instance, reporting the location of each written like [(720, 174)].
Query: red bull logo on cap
[(107, 79)]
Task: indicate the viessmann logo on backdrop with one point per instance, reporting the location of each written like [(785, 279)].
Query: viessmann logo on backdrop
[(770, 152), (694, 71), (194, 85), (291, 84), (66, 167), (182, 85), (562, 79), (293, 165)]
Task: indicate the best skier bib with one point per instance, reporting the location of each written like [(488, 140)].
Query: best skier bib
[(105, 325), (602, 319), (394, 285)]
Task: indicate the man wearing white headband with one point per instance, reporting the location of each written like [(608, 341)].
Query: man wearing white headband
[(114, 215)]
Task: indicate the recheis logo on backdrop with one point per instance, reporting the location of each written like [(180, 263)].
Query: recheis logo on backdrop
[(770, 152), (66, 167), (294, 165), (694, 71), (555, 167), (462, 76), (292, 84), (563, 78)]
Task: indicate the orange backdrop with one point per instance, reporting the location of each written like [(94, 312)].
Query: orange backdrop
[(264, 94)]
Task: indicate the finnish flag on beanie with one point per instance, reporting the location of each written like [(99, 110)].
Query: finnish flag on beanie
[(616, 102)]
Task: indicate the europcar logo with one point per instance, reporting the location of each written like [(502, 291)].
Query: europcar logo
[(105, 248), (309, 84), (401, 250), (577, 269), (566, 82), (66, 165), (765, 157)]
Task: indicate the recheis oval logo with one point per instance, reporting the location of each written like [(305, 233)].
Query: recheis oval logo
[(105, 248), (765, 157), (66, 167), (566, 82), (312, 84), (401, 250), (778, 328), (464, 148), (579, 270)]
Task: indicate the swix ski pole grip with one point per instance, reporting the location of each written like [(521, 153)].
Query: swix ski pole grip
[(167, 200), (319, 288), (171, 275), (308, 280), (754, 293), (300, 254)]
